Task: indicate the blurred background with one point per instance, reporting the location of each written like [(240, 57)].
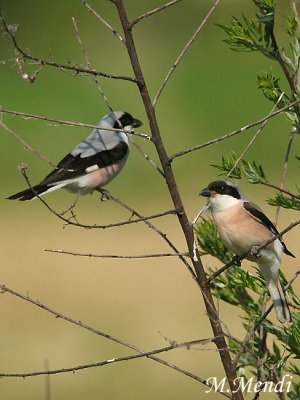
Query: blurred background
[(212, 92)]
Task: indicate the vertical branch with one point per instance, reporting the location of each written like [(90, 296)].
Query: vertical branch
[(174, 193), (285, 169)]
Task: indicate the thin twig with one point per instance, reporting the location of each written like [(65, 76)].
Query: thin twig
[(78, 37), (69, 221), (92, 255), (195, 220), (158, 231), (69, 123), (294, 196), (285, 169), (57, 314), (50, 63), (254, 138), (26, 145), (139, 148), (141, 151), (295, 12), (283, 65), (37, 303), (183, 51), (87, 61), (124, 205), (154, 11), (233, 133), (257, 324), (172, 346), (294, 306), (102, 20)]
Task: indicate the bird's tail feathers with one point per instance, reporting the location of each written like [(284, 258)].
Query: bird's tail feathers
[(279, 300), (34, 191), (269, 269)]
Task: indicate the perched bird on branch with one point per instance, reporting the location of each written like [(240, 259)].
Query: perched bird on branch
[(244, 228), (92, 163)]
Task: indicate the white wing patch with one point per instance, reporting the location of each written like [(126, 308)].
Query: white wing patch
[(91, 168)]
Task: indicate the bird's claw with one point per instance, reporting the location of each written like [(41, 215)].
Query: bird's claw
[(105, 195), (255, 251)]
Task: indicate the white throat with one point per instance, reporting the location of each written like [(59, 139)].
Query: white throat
[(222, 202)]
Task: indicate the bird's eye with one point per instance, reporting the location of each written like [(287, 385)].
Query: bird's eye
[(223, 189)]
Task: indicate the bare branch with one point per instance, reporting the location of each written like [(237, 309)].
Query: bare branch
[(78, 37), (154, 11), (102, 20), (57, 314), (254, 138), (26, 145), (69, 123), (176, 198), (158, 231), (203, 209), (69, 221), (50, 63), (139, 148), (184, 50), (285, 167), (276, 54), (295, 196), (141, 151), (174, 345), (233, 133), (107, 336), (91, 255), (96, 79), (124, 205)]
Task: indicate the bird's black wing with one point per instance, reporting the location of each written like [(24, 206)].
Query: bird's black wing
[(260, 217), (73, 166)]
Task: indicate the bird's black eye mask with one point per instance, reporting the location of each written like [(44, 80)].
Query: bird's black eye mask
[(222, 187), (125, 120)]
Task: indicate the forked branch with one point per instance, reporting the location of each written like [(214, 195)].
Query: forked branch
[(42, 61), (176, 198)]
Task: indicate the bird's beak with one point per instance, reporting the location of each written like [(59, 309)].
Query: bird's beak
[(136, 123), (205, 193)]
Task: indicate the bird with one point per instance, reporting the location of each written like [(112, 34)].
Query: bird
[(243, 228), (93, 163)]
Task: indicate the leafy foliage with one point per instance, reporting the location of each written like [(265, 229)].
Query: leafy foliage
[(250, 171), (237, 286), (240, 288), (248, 35), (269, 85), (285, 202), (254, 173)]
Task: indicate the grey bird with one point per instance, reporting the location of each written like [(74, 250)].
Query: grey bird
[(93, 163), (243, 227)]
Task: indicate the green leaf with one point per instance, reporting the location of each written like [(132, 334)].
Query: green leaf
[(286, 202), (209, 241), (250, 171), (269, 85), (248, 35)]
